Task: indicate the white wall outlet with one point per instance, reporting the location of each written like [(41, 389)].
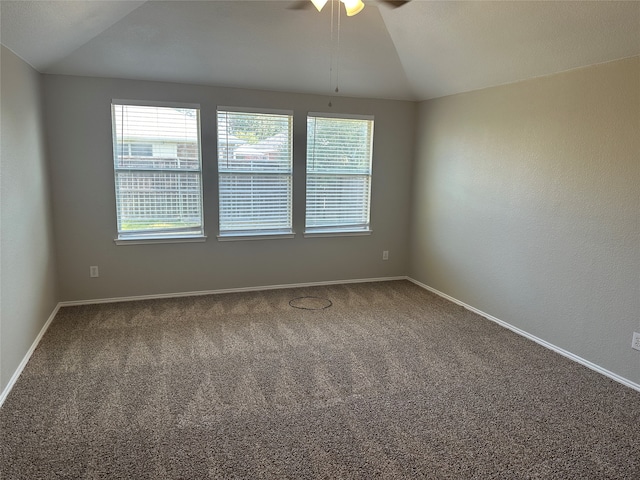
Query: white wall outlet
[(93, 272), (385, 254), (635, 343)]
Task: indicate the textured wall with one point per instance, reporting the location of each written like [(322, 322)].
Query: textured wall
[(27, 268), (527, 206), (78, 120)]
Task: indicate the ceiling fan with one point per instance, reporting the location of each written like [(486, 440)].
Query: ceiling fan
[(352, 7)]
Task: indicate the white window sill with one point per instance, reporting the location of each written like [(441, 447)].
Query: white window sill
[(338, 233), (233, 237), (151, 240)]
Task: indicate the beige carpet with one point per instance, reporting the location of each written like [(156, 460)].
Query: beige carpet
[(389, 381)]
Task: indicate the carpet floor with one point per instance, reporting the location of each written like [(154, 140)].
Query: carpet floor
[(390, 381)]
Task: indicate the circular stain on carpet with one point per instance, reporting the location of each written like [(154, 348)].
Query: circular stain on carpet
[(310, 303)]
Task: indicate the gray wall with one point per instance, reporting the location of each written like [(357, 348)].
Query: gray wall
[(28, 292), (526, 205), (78, 123)]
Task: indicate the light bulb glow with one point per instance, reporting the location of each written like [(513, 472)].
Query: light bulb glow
[(319, 4), (352, 7)]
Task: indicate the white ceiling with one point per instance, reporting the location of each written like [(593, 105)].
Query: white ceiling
[(422, 50)]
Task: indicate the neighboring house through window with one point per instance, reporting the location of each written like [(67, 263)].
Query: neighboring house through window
[(255, 163), (339, 155), (158, 171), (135, 149)]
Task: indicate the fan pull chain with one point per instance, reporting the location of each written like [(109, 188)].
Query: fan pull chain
[(338, 53), (331, 52), (335, 49)]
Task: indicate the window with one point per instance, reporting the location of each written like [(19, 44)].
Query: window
[(158, 171), (339, 151), (255, 165)]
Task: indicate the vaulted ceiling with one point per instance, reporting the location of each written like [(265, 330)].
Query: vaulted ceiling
[(422, 50)]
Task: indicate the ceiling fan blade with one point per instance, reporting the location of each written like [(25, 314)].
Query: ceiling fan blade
[(300, 5), (395, 3)]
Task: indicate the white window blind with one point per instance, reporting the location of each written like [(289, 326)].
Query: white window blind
[(255, 161), (158, 171), (339, 152)]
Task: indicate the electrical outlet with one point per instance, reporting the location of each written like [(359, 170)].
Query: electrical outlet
[(385, 254), (93, 272), (635, 343)]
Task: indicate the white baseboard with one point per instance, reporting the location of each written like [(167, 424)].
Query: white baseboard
[(14, 378), (227, 290), (544, 343)]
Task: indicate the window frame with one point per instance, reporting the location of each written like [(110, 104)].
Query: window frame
[(336, 229), (256, 233), (144, 236)]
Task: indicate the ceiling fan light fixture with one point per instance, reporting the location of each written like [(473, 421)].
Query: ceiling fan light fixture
[(352, 6), (319, 4)]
